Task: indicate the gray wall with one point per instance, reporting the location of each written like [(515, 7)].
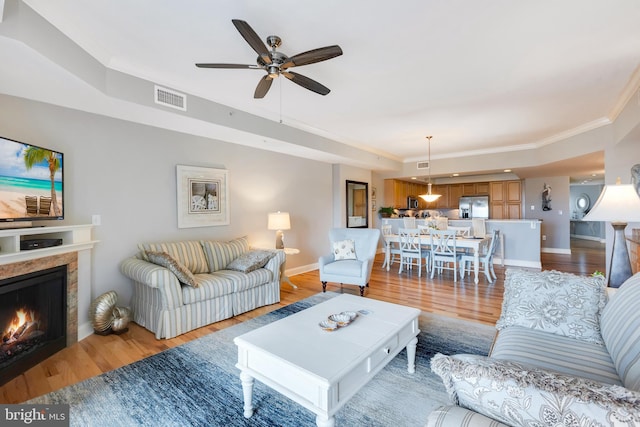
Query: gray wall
[(555, 222), (126, 173)]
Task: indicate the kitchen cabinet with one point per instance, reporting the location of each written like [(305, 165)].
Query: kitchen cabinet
[(505, 197), (455, 192), (505, 200), (482, 189)]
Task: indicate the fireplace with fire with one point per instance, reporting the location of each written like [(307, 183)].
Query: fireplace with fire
[(33, 319)]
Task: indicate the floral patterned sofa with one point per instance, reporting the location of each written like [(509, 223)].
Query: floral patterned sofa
[(563, 356), (181, 286)]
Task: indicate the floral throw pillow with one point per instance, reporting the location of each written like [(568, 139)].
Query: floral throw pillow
[(165, 260), (521, 395), (560, 303), (344, 249)]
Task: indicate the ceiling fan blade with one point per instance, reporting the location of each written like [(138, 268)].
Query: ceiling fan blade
[(253, 39), (227, 66), (306, 82), (313, 56), (263, 87)]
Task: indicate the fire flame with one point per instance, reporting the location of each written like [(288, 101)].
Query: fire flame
[(21, 318)]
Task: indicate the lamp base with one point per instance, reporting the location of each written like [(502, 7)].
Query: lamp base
[(620, 267), (280, 239)]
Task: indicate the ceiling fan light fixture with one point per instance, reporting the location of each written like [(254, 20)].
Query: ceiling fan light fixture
[(429, 197)]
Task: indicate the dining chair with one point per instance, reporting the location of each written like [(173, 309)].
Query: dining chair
[(444, 254), (442, 222), (485, 258), (411, 251), (479, 227), (409, 222), (392, 247), (461, 231)]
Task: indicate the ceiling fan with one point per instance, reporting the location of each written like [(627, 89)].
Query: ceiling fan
[(277, 63)]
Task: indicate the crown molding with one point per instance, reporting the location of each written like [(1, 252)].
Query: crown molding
[(629, 90)]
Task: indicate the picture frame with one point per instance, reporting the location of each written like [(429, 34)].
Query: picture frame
[(202, 196)]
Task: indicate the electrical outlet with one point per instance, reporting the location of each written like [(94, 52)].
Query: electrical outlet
[(533, 208), (96, 220), (544, 237)]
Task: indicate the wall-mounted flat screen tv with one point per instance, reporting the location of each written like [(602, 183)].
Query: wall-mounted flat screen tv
[(31, 182)]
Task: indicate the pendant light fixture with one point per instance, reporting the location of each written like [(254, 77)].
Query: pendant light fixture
[(429, 197)]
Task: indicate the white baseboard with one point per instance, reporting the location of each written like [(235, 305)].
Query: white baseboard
[(84, 330), (594, 238), (556, 251), (518, 263), (301, 269)]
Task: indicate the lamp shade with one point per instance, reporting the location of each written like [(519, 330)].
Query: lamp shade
[(279, 221), (617, 203)]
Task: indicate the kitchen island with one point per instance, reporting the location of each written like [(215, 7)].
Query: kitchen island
[(519, 244)]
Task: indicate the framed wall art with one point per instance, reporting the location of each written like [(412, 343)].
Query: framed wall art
[(202, 196)]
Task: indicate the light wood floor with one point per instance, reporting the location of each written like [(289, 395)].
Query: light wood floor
[(97, 354)]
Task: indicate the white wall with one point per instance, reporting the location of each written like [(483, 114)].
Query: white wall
[(126, 173)]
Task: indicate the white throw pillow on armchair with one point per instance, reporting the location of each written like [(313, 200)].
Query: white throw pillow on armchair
[(344, 249)]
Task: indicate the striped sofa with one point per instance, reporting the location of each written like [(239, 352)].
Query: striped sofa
[(534, 377), (168, 307)]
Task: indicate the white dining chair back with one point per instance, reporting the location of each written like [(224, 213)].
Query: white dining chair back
[(461, 231), (479, 227), (411, 251), (485, 258), (444, 254), (393, 248), (409, 222), (442, 222)]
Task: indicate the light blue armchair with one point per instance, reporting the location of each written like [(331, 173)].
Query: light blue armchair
[(351, 260)]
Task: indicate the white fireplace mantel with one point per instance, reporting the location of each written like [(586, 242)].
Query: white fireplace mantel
[(75, 239)]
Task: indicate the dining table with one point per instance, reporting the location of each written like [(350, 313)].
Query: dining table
[(472, 243)]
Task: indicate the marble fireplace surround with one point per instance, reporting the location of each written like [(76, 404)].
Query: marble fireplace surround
[(70, 260)]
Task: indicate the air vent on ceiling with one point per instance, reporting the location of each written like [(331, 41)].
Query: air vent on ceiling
[(170, 98), (423, 165)]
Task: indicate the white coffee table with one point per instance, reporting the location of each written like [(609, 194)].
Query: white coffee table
[(322, 370)]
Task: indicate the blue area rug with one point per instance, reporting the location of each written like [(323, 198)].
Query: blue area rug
[(197, 383)]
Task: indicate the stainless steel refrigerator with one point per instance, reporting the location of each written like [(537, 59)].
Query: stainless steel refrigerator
[(474, 207)]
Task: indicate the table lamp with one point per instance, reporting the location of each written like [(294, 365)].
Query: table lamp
[(618, 204), (279, 221)]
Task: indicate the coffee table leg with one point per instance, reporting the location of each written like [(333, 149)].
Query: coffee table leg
[(247, 391), (411, 355), (322, 421)]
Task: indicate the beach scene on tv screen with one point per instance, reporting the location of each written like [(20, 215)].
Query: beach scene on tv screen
[(30, 181)]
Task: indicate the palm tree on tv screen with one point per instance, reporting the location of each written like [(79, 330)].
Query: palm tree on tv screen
[(35, 155)]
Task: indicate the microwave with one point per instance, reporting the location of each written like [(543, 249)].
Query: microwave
[(412, 202)]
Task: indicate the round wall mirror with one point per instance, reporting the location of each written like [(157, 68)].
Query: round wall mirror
[(583, 203)]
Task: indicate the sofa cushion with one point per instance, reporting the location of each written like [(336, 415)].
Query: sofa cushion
[(250, 261), (164, 259), (521, 395), (188, 253), (559, 303), (620, 326), (447, 416), (209, 287), (244, 281), (555, 352), (344, 249), (219, 254)]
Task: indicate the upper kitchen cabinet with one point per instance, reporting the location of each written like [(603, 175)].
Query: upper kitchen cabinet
[(505, 199)]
